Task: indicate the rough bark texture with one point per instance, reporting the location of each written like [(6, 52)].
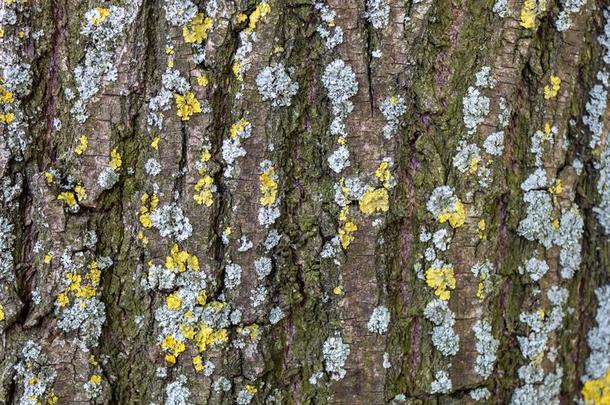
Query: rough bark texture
[(426, 54)]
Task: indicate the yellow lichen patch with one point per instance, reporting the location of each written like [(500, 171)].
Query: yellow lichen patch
[(268, 187), (555, 224), (62, 300), (481, 228), (7, 118), (173, 301), (186, 105), (202, 80), (101, 14), (481, 288), (346, 233), (115, 160), (236, 67), (95, 379), (174, 347), (81, 192), (6, 97), (52, 399), (2, 315), (155, 143), (261, 10), (203, 187), (47, 258), (198, 364), (555, 190), (473, 165), (338, 290), (148, 204), (551, 90), (196, 31), (49, 177), (208, 337), (142, 238), (528, 14), (441, 280), (68, 198), (202, 297), (94, 274), (383, 173), (81, 147), (180, 259), (597, 392), (250, 389), (374, 200), (238, 128), (456, 217)]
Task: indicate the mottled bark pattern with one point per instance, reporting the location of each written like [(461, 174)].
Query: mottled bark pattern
[(428, 53)]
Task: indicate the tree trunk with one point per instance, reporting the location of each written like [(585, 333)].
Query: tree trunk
[(296, 201)]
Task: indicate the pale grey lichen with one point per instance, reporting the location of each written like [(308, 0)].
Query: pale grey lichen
[(484, 79), (377, 13), (85, 316), (171, 221), (441, 384), (152, 167), (379, 320), (176, 393), (335, 354), (466, 155), (563, 21), (244, 397), (480, 394), (262, 267), (392, 109), (340, 83), (494, 144), (537, 223), (504, 114), (275, 315), (331, 33), (275, 85), (598, 337), (501, 8), (179, 12), (536, 268), (441, 200), (441, 239), (486, 346), (34, 374), (475, 108), (268, 215), (535, 181), (482, 271), (444, 339), (314, 378), (232, 275), (602, 210), (222, 384), (258, 296), (568, 238), (99, 63), (339, 159), (7, 239), (107, 178)]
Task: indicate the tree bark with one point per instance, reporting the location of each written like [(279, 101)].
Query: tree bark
[(141, 261)]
